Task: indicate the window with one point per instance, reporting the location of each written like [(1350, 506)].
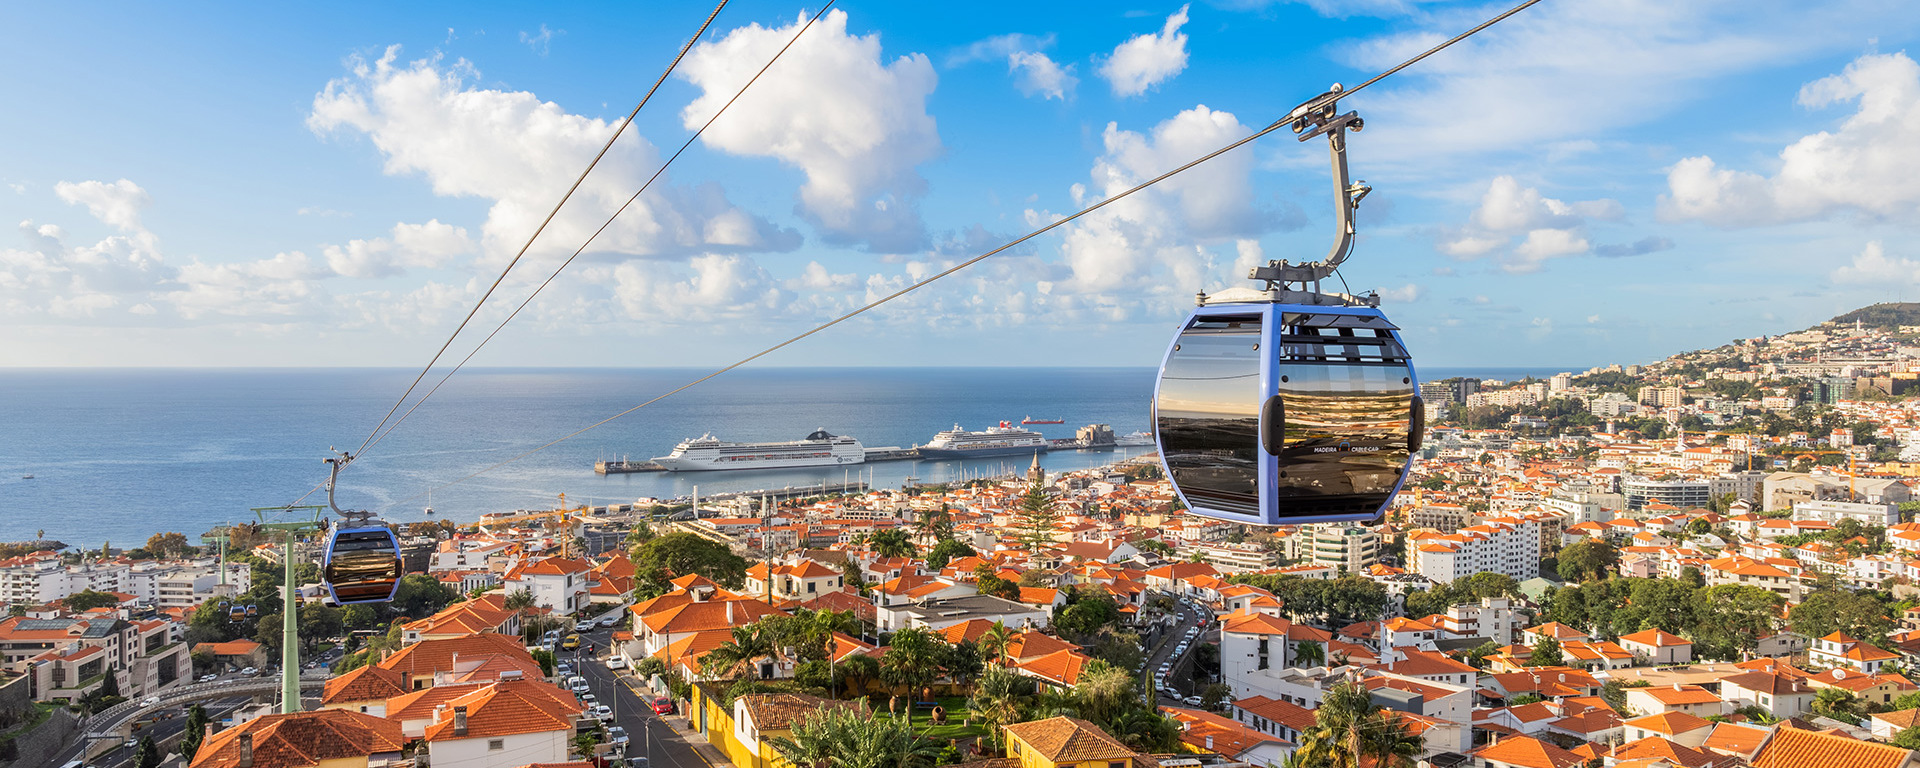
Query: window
[(495, 745)]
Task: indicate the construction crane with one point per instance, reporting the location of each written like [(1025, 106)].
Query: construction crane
[(1809, 456), (565, 514)]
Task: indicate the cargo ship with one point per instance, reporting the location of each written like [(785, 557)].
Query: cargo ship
[(820, 449), (1002, 440)]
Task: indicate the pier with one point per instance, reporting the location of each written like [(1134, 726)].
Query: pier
[(1093, 437)]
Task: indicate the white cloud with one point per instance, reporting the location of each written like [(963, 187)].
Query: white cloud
[(816, 278), (1036, 75), (1164, 228), (541, 42), (717, 286), (117, 204), (996, 48), (1145, 61), (856, 125), (428, 245), (1405, 294), (521, 153), (1873, 267), (1569, 71), (1870, 164), (282, 287), (1527, 228)]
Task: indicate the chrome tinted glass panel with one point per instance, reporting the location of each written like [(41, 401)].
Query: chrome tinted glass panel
[(1209, 419), (1346, 436)]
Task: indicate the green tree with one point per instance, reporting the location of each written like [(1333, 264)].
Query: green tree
[(681, 553), (836, 737), (947, 551), (420, 596), (1907, 738), (1001, 697), (1038, 518), (1830, 610), (1105, 691), (1308, 653), (1731, 618), (519, 600), (149, 753), (1590, 559), (546, 660), (892, 542), (1215, 695), (168, 545), (912, 660), (193, 731), (88, 600), (110, 686), (359, 616), (1665, 604), (990, 583), (1838, 704), (748, 644), (1350, 731), (1546, 653), (1087, 615)]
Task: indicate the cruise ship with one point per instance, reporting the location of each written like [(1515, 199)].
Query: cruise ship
[(820, 449), (1003, 440), (1134, 439)]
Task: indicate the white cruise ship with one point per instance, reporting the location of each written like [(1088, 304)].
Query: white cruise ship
[(1002, 440), (820, 449), (1134, 439)]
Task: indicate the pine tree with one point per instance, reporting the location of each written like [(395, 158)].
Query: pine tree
[(1037, 518)]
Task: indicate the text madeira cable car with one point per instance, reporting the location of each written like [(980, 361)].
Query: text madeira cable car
[(1287, 405), (362, 559)]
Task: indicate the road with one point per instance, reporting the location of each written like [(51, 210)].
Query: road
[(1180, 683), (651, 737), (164, 730)]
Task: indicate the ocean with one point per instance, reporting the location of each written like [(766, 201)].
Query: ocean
[(120, 454)]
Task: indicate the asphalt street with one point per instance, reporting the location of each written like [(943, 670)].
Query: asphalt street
[(650, 736), (1180, 684)]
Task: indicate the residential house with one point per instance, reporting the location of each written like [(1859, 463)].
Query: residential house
[(1065, 742), (1658, 647), (329, 737)]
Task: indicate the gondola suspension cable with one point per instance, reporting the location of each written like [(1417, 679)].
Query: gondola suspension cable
[(603, 227), (1304, 109), (543, 225)]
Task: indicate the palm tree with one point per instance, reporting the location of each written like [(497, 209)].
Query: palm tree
[(995, 642), (1000, 696), (892, 542), (846, 737), (1146, 731), (859, 671), (1104, 691), (749, 643), (519, 600), (912, 659), (1308, 653), (1350, 730)]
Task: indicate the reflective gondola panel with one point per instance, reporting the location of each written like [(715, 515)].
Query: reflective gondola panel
[(362, 565), (1275, 414)]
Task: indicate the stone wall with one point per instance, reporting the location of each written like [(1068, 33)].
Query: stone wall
[(39, 746)]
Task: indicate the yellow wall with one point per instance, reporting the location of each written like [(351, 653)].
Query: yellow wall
[(1030, 758), (344, 762)]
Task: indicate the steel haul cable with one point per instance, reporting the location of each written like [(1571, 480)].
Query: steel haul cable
[(1276, 125), (603, 227), (543, 224)]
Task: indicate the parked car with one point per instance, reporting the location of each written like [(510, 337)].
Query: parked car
[(563, 669), (602, 711), (583, 626), (610, 621), (662, 705), (208, 678), (1192, 701), (616, 662), (577, 684), (616, 735), (250, 671)]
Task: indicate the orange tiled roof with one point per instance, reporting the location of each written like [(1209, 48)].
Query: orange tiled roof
[(505, 708), (1528, 752), (1795, 748), (1069, 740), (365, 684), (302, 739)]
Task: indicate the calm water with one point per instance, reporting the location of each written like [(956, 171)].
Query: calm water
[(118, 455)]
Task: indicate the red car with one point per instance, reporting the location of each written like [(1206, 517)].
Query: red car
[(662, 705)]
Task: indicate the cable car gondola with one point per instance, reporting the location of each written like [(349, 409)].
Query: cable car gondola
[(361, 563), (1288, 405)]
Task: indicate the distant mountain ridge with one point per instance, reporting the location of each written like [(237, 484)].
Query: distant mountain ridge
[(1890, 315)]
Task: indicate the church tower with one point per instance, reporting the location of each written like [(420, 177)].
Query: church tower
[(1035, 474)]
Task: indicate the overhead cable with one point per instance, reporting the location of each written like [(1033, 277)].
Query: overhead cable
[(989, 254), (543, 225), (603, 226)]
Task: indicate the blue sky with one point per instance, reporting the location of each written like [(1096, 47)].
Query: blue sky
[(1591, 182)]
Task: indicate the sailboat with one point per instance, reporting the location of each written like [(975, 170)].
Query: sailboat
[(27, 476), (429, 501)]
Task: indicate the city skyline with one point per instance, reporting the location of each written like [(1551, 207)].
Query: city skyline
[(1584, 184)]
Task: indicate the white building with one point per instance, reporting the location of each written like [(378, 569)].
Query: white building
[(1509, 545), (558, 584), (1835, 511)]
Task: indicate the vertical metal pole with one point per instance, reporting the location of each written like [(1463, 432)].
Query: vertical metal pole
[(289, 642)]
